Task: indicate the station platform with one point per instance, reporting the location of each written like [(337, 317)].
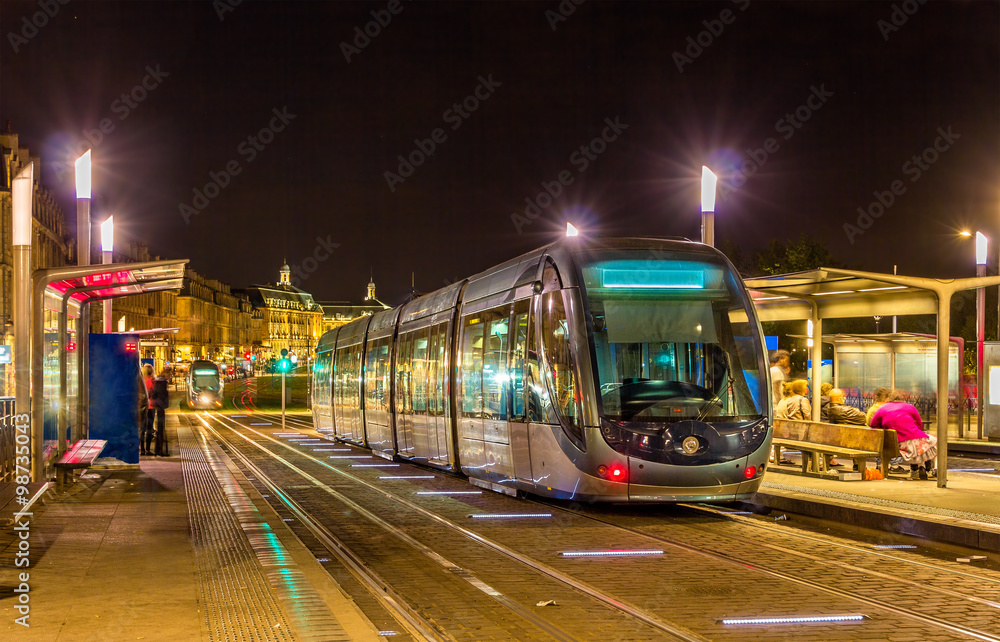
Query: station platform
[(174, 548), (966, 512)]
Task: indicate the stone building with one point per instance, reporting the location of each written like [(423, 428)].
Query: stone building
[(50, 242), (290, 318)]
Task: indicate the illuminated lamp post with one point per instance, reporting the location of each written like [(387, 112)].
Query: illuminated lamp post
[(708, 183), (571, 230), (22, 191), (107, 251), (981, 250), (83, 193)]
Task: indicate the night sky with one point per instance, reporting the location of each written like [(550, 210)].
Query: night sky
[(805, 110)]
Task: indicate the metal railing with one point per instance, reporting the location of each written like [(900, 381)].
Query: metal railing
[(7, 451)]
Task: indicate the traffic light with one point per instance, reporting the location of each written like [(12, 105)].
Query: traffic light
[(284, 365), (246, 356)]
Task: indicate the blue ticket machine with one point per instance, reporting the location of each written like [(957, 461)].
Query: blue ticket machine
[(117, 394)]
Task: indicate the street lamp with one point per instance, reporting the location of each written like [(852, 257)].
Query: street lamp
[(708, 183), (571, 230), (981, 249), (22, 192), (107, 252), (83, 193)]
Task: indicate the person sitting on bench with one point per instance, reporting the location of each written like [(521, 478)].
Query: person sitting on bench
[(839, 413)]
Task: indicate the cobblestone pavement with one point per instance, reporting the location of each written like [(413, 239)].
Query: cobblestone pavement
[(712, 566)]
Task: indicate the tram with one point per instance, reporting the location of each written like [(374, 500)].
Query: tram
[(617, 370), (204, 385)]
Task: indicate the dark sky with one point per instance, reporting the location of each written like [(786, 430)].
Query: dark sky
[(849, 92)]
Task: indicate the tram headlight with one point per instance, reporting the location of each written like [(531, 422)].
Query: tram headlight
[(204, 399)]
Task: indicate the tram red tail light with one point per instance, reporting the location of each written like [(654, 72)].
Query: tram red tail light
[(614, 472), (750, 472)]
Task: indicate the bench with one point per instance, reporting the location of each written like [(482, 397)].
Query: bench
[(819, 441), (81, 455)]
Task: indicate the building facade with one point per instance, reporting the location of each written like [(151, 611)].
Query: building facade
[(290, 318)]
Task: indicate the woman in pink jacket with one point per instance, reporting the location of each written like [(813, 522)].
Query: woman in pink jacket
[(915, 446)]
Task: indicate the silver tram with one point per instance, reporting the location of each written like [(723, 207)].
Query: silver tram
[(623, 370)]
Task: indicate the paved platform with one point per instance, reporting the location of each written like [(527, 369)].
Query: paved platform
[(177, 548), (967, 512)]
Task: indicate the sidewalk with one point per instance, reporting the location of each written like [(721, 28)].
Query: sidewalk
[(176, 548), (967, 512)]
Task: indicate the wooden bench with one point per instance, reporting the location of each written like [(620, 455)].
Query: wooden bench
[(818, 441), (81, 455)]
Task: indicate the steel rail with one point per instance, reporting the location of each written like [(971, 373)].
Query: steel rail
[(898, 610), (631, 610), (516, 608)]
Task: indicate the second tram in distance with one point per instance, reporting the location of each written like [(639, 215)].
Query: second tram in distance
[(623, 370)]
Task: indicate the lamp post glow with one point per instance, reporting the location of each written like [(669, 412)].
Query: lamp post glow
[(22, 192), (980, 329), (708, 183), (107, 254), (571, 230), (83, 193)]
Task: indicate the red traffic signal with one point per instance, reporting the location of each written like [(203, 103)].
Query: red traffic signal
[(71, 346), (247, 356)]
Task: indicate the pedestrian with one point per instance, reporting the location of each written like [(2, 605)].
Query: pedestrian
[(161, 398), (146, 433), (795, 404), (780, 367), (917, 448), (839, 413), (882, 395)]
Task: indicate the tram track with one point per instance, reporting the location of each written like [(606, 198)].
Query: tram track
[(649, 619), (912, 614), (872, 603)]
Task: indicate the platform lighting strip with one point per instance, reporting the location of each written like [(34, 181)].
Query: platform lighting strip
[(834, 292), (736, 512), (325, 450), (884, 546), (449, 492), (286, 434), (511, 516), (407, 477), (795, 620), (374, 465), (237, 415), (266, 423), (972, 470), (891, 287), (350, 456), (616, 553), (388, 633)]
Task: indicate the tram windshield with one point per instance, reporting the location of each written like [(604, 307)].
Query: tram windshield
[(672, 338)]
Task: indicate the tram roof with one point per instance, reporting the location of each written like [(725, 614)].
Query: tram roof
[(840, 293)]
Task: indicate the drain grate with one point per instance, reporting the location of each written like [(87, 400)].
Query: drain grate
[(250, 586)]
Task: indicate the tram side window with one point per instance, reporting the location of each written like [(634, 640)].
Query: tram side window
[(371, 377), (560, 375), (419, 372), (435, 371), (403, 366), (356, 356), (495, 380), (519, 344), (472, 366)]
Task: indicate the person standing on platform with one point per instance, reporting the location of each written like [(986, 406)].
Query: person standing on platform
[(780, 367), (146, 433), (915, 446), (161, 397)]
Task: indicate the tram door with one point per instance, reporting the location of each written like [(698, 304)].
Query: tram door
[(519, 346), (116, 394)]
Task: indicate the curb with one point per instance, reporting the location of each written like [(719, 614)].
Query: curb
[(940, 529)]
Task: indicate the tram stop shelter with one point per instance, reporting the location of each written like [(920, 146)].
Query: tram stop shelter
[(57, 296), (833, 293)]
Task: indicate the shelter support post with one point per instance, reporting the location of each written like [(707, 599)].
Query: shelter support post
[(63, 381), (83, 388), (37, 379), (816, 355), (22, 330), (943, 340)]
